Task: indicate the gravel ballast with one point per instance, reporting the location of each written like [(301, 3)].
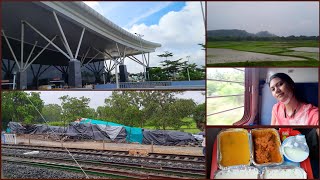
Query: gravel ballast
[(14, 170)]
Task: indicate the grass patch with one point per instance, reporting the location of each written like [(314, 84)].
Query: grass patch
[(191, 128), (57, 123), (267, 63), (280, 48), (310, 55), (261, 46)]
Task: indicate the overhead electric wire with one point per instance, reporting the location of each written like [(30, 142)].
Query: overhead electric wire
[(58, 138)]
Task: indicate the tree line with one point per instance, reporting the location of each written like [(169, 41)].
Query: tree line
[(162, 110), (256, 38), (168, 70), (173, 70)]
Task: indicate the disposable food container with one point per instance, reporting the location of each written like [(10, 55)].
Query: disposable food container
[(234, 148), (238, 173), (266, 147), (283, 172)]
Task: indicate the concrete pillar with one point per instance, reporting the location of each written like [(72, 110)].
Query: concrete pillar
[(123, 73), (148, 75), (22, 80), (75, 79)]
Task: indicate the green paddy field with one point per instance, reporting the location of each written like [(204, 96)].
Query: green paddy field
[(278, 48)]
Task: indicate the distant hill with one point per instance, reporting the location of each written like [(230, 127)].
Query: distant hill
[(265, 34), (237, 33)]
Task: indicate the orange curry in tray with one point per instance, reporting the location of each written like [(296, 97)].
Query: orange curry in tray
[(234, 148), (266, 146)]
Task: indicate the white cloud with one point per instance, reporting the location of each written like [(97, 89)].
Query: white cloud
[(96, 6), (177, 32), (280, 18), (148, 13)]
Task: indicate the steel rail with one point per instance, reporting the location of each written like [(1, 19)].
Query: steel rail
[(121, 154), (114, 169)]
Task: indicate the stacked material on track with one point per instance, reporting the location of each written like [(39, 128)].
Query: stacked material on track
[(161, 137), (43, 129), (134, 134), (108, 131), (96, 132), (74, 131)]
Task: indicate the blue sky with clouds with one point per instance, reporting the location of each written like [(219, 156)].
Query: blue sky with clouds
[(177, 26), (125, 14)]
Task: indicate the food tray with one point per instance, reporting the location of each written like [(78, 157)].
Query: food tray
[(305, 165)]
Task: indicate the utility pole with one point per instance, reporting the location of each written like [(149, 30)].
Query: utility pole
[(188, 68), (144, 68)]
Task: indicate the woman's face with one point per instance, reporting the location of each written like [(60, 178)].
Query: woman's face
[(281, 90)]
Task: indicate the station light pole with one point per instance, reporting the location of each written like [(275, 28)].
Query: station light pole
[(188, 68), (144, 68)]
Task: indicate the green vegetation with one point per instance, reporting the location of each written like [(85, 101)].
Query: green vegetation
[(266, 63), (154, 109), (227, 118), (218, 104), (74, 108), (267, 47), (147, 108), (240, 35), (52, 112), (280, 48), (16, 106), (191, 126), (172, 70), (199, 115)]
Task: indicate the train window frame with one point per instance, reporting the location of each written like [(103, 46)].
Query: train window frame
[(250, 97)]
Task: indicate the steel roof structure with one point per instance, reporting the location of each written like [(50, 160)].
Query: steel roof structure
[(57, 32)]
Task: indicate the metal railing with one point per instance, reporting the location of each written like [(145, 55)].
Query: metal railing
[(8, 138), (155, 84), (150, 84)]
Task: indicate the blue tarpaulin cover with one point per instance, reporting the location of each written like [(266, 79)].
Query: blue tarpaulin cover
[(134, 134)]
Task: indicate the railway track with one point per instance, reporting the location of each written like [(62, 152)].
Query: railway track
[(156, 156), (111, 164)]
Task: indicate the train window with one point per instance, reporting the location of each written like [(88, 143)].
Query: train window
[(225, 95)]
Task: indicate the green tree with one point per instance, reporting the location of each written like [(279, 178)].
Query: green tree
[(122, 107), (166, 54), (163, 109), (160, 109), (16, 106), (178, 110), (52, 112), (157, 74), (75, 108), (172, 68), (195, 73), (199, 115)]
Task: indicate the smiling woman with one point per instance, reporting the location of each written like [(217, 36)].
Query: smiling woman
[(290, 109)]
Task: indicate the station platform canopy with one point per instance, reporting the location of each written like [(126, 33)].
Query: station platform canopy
[(76, 29)]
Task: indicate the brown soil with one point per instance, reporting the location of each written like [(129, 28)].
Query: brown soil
[(196, 151)]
